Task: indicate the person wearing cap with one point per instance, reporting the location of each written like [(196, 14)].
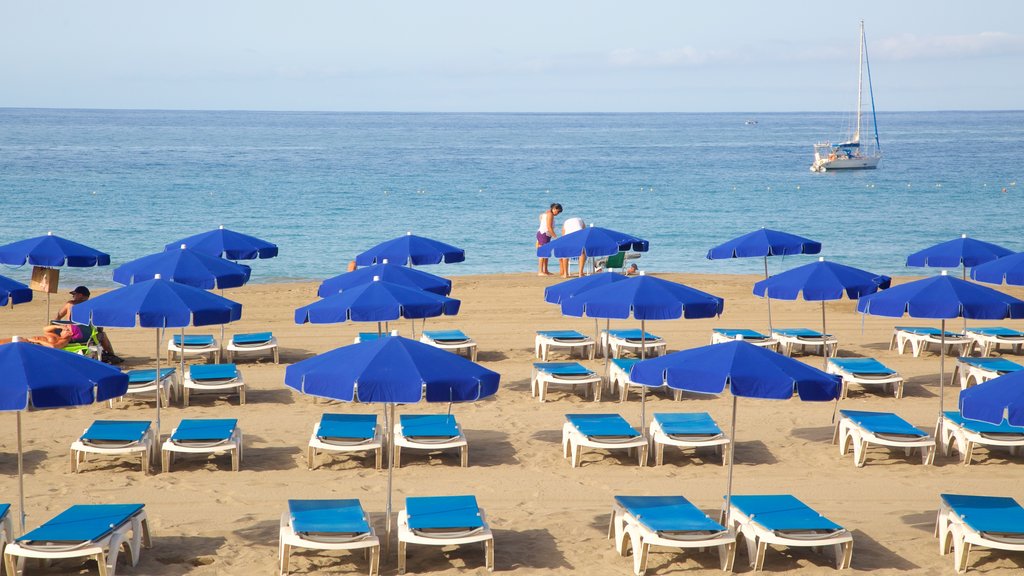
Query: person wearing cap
[(78, 295)]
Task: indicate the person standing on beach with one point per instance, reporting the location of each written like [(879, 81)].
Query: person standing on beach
[(568, 227), (546, 233)]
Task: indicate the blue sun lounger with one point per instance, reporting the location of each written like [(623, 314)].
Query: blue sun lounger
[(115, 438), (866, 372), (858, 429), (345, 433), (213, 378), (967, 434), (720, 335), (970, 371), (783, 520), (430, 432), (453, 340), (990, 339), (919, 337), (601, 431), (443, 521), (144, 381), (563, 373), (687, 430), (193, 345), (545, 340), (253, 342), (990, 521), (88, 531), (327, 525), (618, 376), (204, 436), (666, 521), (614, 342)]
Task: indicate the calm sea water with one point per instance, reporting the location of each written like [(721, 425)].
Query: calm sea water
[(325, 186)]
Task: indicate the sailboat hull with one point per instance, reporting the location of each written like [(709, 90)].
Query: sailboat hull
[(863, 163)]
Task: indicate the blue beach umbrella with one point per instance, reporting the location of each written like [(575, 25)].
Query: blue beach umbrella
[(762, 244), (391, 370), (963, 251), (411, 250), (387, 272), (556, 293), (644, 298), (184, 266), (38, 377), (376, 301), (749, 371), (592, 242), (13, 292), (1008, 269), (51, 252), (942, 297), (228, 244), (998, 399), (160, 304), (821, 281)]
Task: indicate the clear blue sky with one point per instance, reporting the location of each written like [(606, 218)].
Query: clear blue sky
[(522, 56)]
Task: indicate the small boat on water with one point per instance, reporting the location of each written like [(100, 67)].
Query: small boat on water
[(853, 154)]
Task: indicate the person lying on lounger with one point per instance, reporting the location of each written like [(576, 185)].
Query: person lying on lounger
[(60, 338)]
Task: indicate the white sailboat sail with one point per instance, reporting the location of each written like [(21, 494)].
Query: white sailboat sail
[(853, 154)]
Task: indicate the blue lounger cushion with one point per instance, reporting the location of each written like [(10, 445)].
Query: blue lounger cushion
[(928, 331), (433, 425), (328, 516), (3, 509), (563, 368), (799, 332), (205, 429), (980, 427), (212, 372), (633, 334), (116, 430), (253, 338), (687, 423), (194, 340), (443, 512), (446, 335), (783, 512), (994, 364), (147, 376), (625, 364), (882, 423), (991, 514), (362, 426), (745, 332), (82, 523), (369, 336), (862, 366), (597, 425), (668, 514), (562, 334), (997, 331)]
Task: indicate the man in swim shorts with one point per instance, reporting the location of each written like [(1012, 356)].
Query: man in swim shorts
[(546, 233)]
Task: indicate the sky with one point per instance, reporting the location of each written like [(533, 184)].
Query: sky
[(523, 56)]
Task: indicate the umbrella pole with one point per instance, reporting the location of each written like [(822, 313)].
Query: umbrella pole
[(159, 383), (768, 300), (222, 326), (21, 475), (597, 337), (942, 382), (389, 418), (181, 373), (604, 352), (732, 458), (824, 335), (47, 322), (643, 389)]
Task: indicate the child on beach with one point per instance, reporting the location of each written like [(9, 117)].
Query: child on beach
[(546, 233)]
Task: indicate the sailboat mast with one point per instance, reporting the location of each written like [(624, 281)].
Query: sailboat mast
[(860, 82), (871, 89)]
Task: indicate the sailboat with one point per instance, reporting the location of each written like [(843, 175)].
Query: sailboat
[(853, 154)]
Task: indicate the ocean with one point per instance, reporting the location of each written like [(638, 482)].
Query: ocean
[(326, 186)]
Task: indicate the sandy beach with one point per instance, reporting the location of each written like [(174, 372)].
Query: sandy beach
[(547, 517)]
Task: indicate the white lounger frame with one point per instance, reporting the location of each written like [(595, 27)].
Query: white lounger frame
[(956, 536), (624, 525), (213, 348), (849, 434), (104, 551), (289, 539), (659, 439), (889, 382), (769, 342), (619, 382), (613, 346), (459, 442), (757, 539), (540, 381), (919, 342), (543, 344), (146, 447), (988, 343), (573, 443), (408, 536), (231, 349), (375, 444), (969, 375), (966, 440), (232, 445), (828, 343), (469, 345), (168, 387), (204, 386)]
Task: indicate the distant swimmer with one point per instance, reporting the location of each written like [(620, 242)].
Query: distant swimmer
[(545, 234)]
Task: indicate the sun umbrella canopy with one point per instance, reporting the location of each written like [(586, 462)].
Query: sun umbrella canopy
[(821, 280), (942, 297), (51, 251), (224, 243), (764, 242), (646, 298), (184, 266), (1009, 269), (595, 241), (749, 371), (13, 292), (387, 272), (377, 301), (962, 251), (564, 290), (43, 377), (156, 303), (998, 399), (392, 370), (410, 249)]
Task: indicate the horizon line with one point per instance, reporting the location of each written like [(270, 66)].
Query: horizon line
[(498, 112)]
